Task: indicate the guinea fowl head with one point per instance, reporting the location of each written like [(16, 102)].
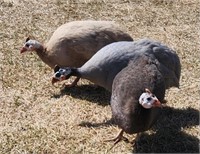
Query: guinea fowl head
[(61, 74), (30, 45), (149, 100)]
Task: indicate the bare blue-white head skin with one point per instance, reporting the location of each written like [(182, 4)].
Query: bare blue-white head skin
[(149, 100), (61, 74), (30, 45)]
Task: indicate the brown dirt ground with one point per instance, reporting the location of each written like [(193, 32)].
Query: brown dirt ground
[(36, 117)]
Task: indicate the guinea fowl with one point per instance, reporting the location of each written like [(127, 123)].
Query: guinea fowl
[(111, 59), (74, 43), (137, 93)]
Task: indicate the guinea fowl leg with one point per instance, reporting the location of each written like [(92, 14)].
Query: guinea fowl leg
[(118, 138), (135, 140), (74, 83)]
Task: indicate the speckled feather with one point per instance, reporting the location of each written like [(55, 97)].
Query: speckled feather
[(128, 85), (107, 62)]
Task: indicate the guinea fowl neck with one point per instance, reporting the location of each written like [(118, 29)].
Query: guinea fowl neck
[(41, 51), (75, 72), (43, 54)]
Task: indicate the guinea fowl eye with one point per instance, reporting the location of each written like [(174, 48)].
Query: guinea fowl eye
[(149, 99), (57, 75), (27, 45)]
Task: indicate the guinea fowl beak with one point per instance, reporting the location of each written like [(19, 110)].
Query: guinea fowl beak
[(54, 79), (23, 49), (157, 103)]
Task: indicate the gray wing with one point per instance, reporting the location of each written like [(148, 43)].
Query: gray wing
[(169, 65)]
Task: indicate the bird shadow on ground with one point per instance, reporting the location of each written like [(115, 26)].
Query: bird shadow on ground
[(169, 136), (91, 93), (94, 125)]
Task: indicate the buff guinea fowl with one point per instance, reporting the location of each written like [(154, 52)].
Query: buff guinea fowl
[(74, 43)]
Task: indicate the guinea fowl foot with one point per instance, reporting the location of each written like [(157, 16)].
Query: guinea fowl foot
[(134, 141), (74, 83), (118, 139)]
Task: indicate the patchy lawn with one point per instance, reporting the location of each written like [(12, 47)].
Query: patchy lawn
[(36, 117)]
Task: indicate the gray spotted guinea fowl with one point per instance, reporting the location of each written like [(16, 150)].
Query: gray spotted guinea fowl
[(74, 43), (137, 93), (111, 59)]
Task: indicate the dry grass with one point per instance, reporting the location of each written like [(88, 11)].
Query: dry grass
[(36, 117)]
